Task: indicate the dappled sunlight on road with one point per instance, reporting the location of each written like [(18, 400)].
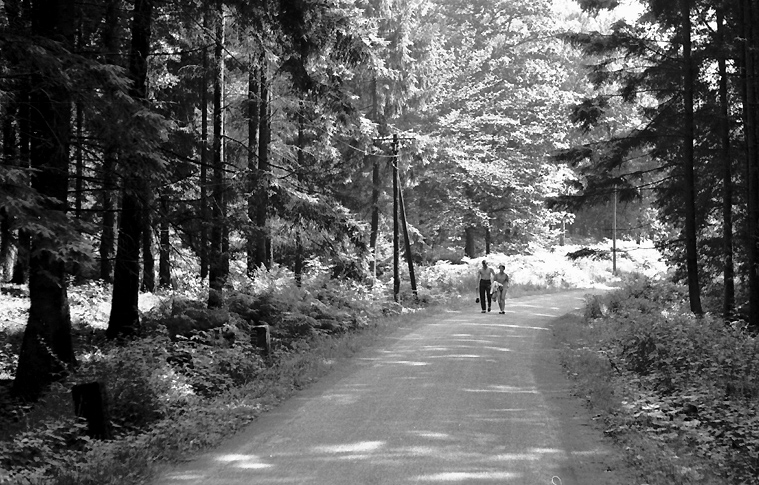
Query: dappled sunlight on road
[(463, 457), (509, 389), (454, 401), (462, 476), (364, 446)]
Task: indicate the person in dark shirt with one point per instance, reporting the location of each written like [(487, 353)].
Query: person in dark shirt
[(485, 275)]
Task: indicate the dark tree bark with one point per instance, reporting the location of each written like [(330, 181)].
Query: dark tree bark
[(203, 243), (47, 350), (79, 162), (17, 21), (376, 182), (164, 261), (216, 274), (21, 265), (6, 242), (728, 301), (125, 318), (469, 246), (751, 43), (299, 256), (376, 190), (108, 234), (487, 240), (691, 250), (6, 226), (78, 168), (110, 154), (263, 244), (254, 107), (148, 261)]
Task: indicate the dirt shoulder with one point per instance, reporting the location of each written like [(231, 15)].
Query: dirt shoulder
[(596, 459)]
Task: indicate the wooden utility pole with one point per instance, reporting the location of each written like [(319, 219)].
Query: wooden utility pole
[(407, 242), (614, 235), (396, 275), (398, 209)]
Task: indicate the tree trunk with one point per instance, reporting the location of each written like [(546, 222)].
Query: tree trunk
[(23, 241), (164, 262), (47, 350), (125, 317), (376, 190), (216, 275), (728, 301), (253, 122), (299, 257), (487, 240), (6, 242), (148, 261), (262, 190), (691, 249), (108, 235), (469, 247), (21, 265), (376, 182), (79, 163), (752, 159), (6, 231), (203, 243), (110, 42)]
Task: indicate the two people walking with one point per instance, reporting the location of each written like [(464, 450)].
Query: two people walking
[(491, 286)]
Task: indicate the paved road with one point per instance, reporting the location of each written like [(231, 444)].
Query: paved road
[(463, 397)]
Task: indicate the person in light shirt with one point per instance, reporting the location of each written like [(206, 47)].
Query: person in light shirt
[(500, 284)]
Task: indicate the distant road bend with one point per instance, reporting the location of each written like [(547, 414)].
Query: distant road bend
[(464, 397)]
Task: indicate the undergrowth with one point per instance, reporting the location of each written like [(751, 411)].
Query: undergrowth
[(195, 375), (678, 391)]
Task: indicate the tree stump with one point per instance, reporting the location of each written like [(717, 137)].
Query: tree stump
[(90, 403), (263, 338)]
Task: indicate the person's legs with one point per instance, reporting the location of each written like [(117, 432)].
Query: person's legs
[(490, 296), (483, 292), (502, 299)]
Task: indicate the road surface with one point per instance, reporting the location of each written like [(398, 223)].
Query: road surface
[(462, 397)]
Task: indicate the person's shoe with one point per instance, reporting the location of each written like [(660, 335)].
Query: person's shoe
[(483, 311), (488, 309)]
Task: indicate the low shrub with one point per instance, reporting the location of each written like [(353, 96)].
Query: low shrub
[(686, 382)]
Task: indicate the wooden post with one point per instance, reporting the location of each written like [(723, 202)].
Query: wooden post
[(90, 403), (263, 338)]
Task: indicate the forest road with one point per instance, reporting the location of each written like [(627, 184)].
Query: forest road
[(461, 397)]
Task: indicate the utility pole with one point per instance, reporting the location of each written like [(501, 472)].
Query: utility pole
[(614, 235), (399, 209), (396, 274), (407, 240)]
